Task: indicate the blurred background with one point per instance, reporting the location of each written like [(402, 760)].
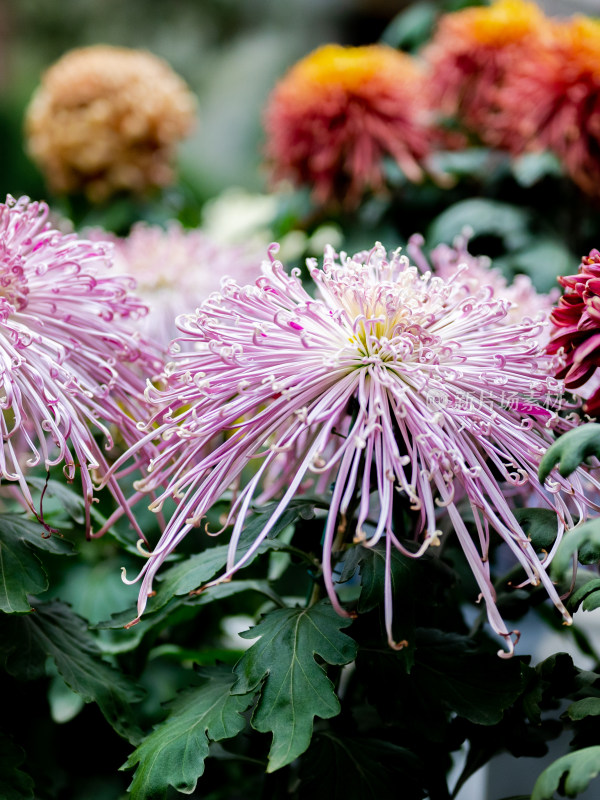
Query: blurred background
[(230, 52)]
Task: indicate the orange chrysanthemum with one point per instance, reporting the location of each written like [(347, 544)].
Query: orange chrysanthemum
[(106, 119), (338, 112), (552, 100), (471, 54)]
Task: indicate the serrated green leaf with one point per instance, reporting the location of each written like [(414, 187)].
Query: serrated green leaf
[(588, 533), (295, 689), (587, 707), (14, 783), (191, 573), (132, 637), (21, 571), (174, 753), (570, 450), (578, 769), (477, 685), (54, 630), (540, 525), (358, 768)]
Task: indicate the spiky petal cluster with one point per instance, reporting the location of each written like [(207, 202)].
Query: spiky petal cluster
[(176, 269), (477, 272), (472, 53), (577, 330), (388, 383), (106, 120), (551, 100), (338, 112), (68, 351)]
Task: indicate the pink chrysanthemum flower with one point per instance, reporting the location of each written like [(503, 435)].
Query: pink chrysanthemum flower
[(477, 273), (338, 112), (389, 381), (472, 53), (68, 352), (175, 270)]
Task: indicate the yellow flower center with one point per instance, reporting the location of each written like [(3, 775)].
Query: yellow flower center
[(505, 22), (350, 68)]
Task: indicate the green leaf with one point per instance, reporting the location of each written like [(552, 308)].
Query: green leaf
[(588, 595), (175, 752), (477, 685), (576, 769), (472, 162), (371, 561), (530, 168), (570, 450), (21, 571), (361, 768), (585, 537), (412, 27), (543, 259), (14, 784), (54, 630), (190, 574), (540, 525), (587, 707), (295, 688), (131, 638), (482, 217)]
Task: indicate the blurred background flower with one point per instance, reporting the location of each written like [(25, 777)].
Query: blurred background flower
[(331, 120), (106, 120)]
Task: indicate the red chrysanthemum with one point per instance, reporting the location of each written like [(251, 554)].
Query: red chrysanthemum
[(552, 100), (577, 332), (471, 54), (338, 112)]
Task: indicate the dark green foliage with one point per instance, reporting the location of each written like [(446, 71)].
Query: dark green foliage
[(174, 753), (15, 784), (52, 630), (21, 571), (294, 689), (570, 450)]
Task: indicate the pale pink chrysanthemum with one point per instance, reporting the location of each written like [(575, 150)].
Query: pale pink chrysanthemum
[(389, 381), (69, 352), (477, 272), (175, 270)]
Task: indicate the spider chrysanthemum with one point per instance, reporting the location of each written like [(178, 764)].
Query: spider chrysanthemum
[(106, 120), (388, 384), (338, 112), (71, 361)]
